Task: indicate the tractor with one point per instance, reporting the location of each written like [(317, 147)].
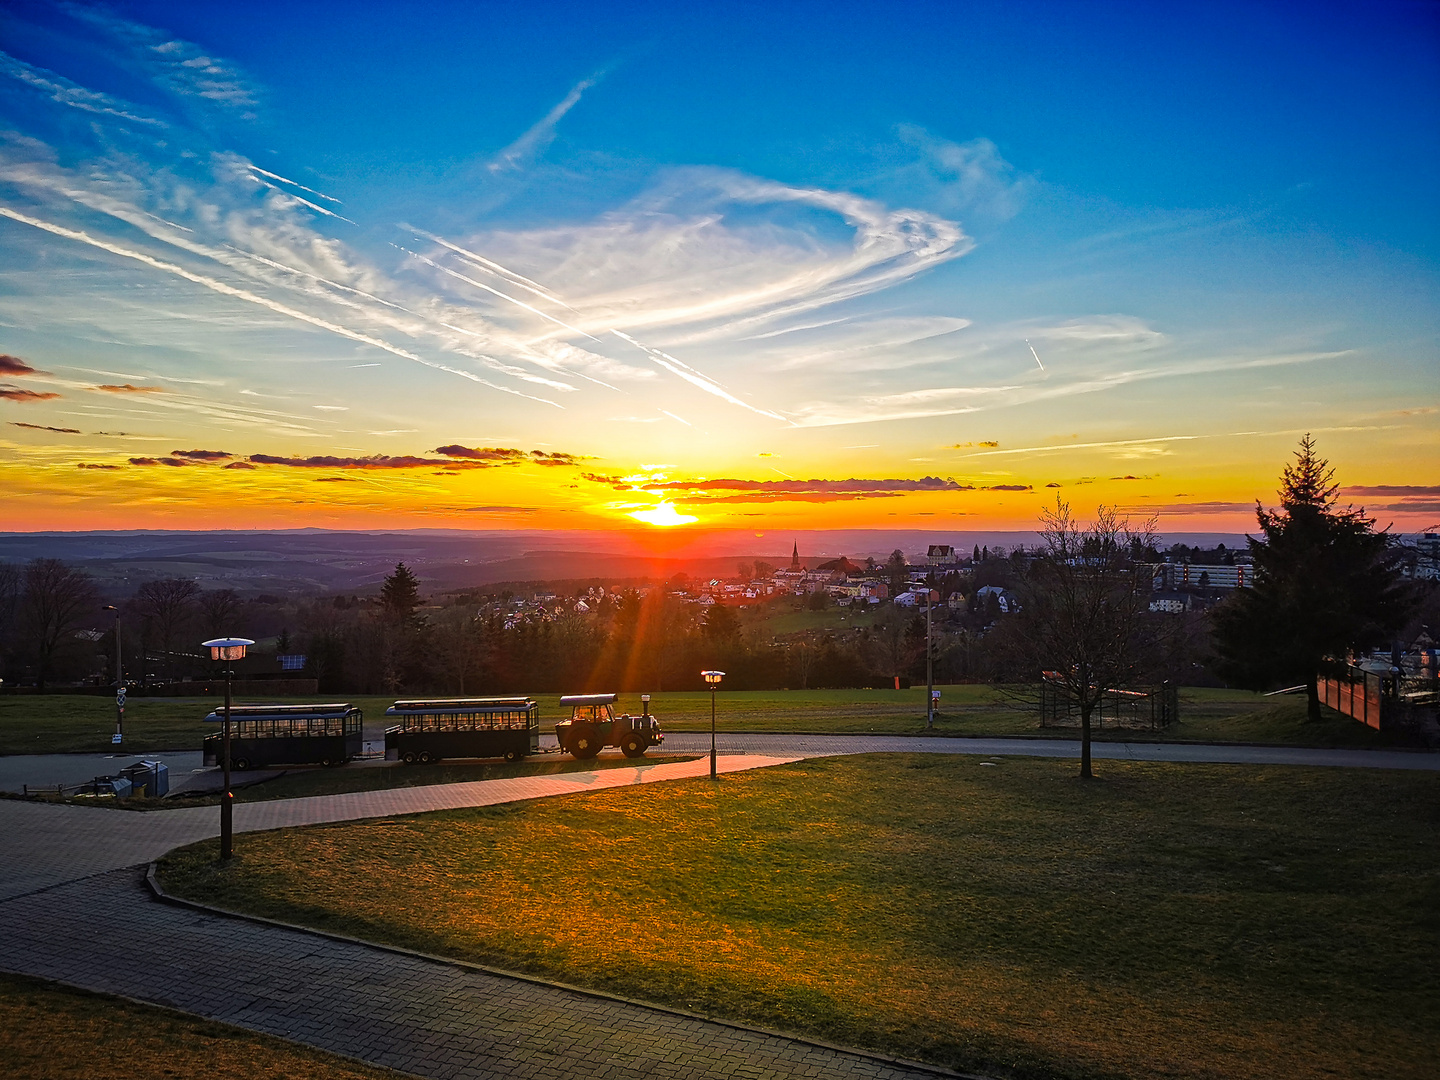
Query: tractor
[(594, 725)]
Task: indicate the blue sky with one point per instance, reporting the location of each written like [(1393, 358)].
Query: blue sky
[(801, 241)]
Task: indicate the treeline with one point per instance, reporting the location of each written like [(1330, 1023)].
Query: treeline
[(58, 626)]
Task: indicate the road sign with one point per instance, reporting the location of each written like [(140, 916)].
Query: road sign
[(115, 739), (934, 695)]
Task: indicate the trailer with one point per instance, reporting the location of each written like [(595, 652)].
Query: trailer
[(593, 725), (265, 735), (429, 730)]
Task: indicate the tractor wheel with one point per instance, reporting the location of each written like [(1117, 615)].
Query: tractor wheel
[(241, 764), (584, 742), (633, 746), (408, 757)]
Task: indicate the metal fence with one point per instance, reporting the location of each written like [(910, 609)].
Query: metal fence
[(1152, 709)]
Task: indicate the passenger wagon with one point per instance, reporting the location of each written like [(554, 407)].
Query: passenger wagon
[(265, 735), (429, 730)]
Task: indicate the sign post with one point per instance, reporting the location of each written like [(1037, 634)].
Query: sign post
[(119, 735)]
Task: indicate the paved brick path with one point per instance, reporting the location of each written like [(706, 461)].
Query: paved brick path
[(406, 1012)]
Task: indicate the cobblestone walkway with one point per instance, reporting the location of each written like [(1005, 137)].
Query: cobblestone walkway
[(421, 1016)]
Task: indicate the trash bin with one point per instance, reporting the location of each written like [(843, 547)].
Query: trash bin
[(148, 778), (117, 787)]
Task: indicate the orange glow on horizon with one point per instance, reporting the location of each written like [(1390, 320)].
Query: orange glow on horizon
[(664, 516)]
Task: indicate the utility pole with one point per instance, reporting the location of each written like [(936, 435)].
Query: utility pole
[(930, 597), (119, 680)]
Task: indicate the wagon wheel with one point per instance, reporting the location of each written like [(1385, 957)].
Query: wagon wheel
[(424, 757), (408, 757), (513, 755), (241, 764), (633, 746), (584, 742), (326, 762)]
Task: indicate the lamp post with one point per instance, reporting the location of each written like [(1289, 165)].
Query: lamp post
[(712, 679), (930, 597), (227, 649), (119, 678)]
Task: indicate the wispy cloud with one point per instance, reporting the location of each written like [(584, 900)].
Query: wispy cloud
[(173, 64), (15, 393), (1391, 489), (64, 92), (534, 142)]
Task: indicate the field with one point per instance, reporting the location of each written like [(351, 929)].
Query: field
[(1208, 921), (50, 1032), (70, 723)]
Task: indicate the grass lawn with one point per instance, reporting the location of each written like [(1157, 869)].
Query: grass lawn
[(51, 1032), (71, 723), (1198, 920)]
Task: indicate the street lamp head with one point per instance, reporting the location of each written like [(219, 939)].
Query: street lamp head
[(713, 678), (109, 607), (227, 648)]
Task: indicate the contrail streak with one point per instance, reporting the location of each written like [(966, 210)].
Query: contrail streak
[(291, 195), (1034, 354), (494, 267), (240, 294), (497, 292), (292, 183), (684, 371)]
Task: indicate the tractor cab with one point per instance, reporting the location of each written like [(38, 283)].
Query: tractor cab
[(593, 725)]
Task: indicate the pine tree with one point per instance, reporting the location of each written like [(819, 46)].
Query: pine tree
[(400, 598), (1326, 583)]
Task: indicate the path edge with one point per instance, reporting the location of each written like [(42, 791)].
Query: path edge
[(159, 893)]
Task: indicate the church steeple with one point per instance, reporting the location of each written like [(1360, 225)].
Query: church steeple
[(795, 557)]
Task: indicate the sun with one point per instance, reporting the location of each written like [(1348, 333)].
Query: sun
[(664, 516)]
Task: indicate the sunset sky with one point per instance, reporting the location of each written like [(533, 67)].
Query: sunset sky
[(769, 266)]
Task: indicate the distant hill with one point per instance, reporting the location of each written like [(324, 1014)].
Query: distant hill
[(320, 560)]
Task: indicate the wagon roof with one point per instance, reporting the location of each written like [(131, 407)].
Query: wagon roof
[(446, 705), (294, 712)]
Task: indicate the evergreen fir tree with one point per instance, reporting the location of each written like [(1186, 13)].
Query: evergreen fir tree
[(400, 598), (1326, 583)]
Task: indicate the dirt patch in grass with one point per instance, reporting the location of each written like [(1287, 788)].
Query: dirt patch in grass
[(1197, 920), (50, 1032)]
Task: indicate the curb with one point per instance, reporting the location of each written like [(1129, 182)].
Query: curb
[(159, 893)]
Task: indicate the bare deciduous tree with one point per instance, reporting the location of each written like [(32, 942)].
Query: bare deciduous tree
[(1084, 611), (218, 609), (167, 605), (56, 598)]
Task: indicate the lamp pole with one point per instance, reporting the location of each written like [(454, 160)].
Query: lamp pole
[(930, 596), (227, 649), (712, 679), (119, 678)]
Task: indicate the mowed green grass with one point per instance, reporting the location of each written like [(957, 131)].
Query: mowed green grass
[(51, 1032), (60, 723), (1163, 920)]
